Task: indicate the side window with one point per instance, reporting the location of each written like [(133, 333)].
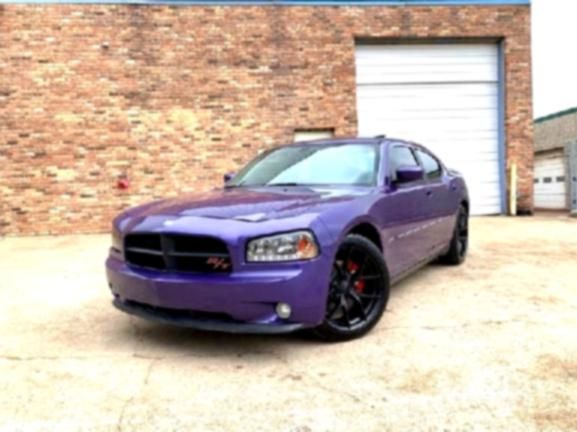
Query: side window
[(431, 166), (402, 156)]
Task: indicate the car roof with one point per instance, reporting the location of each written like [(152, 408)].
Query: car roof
[(349, 140)]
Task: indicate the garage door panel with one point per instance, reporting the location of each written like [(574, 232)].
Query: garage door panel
[(486, 208), (406, 113), (432, 96), (387, 124), (554, 164), (420, 50), (549, 171), (426, 63), (479, 168), (403, 107), (420, 54), (423, 129), (464, 148), (551, 201), (551, 187), (429, 73), (491, 185), (443, 96), (462, 138), (446, 111)]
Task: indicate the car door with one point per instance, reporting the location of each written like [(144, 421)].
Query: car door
[(403, 213), (437, 204)]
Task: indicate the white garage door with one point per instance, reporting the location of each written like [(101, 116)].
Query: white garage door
[(443, 96), (550, 185)]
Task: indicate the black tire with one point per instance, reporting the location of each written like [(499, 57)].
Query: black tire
[(357, 295), (460, 241)]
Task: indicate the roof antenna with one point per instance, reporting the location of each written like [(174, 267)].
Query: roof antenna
[(383, 136)]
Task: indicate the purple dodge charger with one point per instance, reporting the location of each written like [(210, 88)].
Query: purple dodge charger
[(308, 235)]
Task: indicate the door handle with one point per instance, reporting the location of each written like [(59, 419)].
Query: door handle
[(429, 193)]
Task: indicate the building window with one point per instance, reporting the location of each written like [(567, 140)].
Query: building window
[(547, 180), (561, 179), (536, 180), (313, 134)]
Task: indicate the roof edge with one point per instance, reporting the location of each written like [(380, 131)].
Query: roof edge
[(556, 115)]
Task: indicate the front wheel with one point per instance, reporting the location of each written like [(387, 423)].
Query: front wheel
[(358, 291)]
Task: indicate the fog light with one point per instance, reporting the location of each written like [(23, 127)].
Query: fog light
[(283, 310)]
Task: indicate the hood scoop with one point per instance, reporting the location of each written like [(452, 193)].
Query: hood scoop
[(255, 217)]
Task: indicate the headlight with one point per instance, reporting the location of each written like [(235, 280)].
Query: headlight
[(298, 245), (116, 239)]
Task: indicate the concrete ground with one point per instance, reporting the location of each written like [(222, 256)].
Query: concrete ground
[(490, 345)]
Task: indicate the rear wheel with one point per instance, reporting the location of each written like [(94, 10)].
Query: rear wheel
[(358, 292), (460, 241)]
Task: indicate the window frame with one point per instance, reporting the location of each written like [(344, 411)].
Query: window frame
[(436, 159), (391, 169), (377, 164)]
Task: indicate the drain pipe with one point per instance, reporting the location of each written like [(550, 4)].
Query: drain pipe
[(513, 189), (571, 154)]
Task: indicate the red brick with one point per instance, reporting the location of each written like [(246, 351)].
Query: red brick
[(174, 97)]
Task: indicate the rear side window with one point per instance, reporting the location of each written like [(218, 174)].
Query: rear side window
[(431, 166), (402, 156)]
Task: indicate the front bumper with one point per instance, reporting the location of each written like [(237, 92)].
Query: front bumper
[(198, 321), (243, 301)]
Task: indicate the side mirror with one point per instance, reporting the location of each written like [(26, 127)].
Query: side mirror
[(408, 174), (228, 177)]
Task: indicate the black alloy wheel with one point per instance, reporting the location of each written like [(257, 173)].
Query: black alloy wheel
[(460, 242), (358, 291)]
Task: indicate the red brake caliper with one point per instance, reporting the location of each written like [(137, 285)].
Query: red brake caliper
[(353, 267)]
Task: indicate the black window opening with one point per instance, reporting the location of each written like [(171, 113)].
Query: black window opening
[(536, 180), (547, 180), (560, 179), (313, 134)]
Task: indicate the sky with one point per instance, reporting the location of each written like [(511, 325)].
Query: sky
[(554, 32)]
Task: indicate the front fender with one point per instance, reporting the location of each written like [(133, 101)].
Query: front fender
[(339, 229)]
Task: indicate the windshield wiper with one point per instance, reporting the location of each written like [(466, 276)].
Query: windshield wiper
[(287, 184)]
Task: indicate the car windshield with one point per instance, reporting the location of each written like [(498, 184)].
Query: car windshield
[(342, 164)]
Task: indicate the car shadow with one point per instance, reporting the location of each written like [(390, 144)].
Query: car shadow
[(159, 340), (417, 276)]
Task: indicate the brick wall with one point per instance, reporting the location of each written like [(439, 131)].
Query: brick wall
[(556, 132), (173, 97)]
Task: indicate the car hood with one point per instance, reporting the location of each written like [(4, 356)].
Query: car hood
[(251, 204)]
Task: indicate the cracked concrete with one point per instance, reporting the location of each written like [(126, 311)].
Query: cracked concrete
[(129, 401), (486, 346)]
